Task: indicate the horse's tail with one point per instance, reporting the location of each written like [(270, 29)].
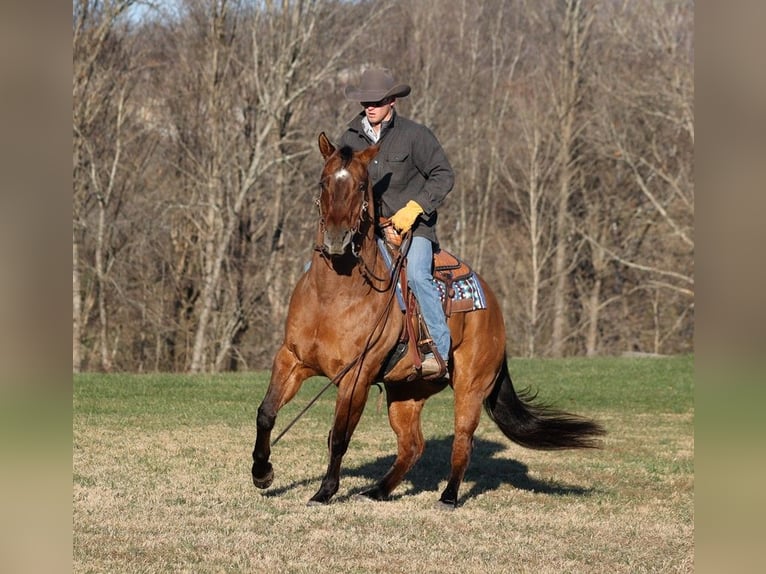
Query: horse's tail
[(534, 425)]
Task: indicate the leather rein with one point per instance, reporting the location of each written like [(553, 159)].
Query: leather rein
[(368, 276)]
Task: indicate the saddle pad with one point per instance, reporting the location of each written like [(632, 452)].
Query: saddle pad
[(463, 291), (467, 294)]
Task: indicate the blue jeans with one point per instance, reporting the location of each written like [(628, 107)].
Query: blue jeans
[(419, 265)]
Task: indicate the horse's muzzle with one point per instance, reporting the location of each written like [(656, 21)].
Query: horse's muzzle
[(336, 242)]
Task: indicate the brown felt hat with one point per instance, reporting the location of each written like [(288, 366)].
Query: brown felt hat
[(376, 85)]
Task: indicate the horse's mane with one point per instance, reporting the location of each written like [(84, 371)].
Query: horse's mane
[(346, 153)]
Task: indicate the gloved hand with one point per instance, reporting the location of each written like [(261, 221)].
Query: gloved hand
[(403, 219)]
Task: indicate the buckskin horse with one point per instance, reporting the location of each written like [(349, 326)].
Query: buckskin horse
[(342, 324)]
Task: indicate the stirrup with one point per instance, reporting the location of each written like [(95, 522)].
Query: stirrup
[(434, 367)]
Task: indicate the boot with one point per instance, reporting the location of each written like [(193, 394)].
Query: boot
[(430, 367)]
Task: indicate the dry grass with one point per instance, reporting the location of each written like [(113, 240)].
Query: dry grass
[(155, 491)]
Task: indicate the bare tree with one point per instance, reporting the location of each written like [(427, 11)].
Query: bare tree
[(639, 195), (568, 87), (100, 89), (570, 129), (256, 65), (529, 173)]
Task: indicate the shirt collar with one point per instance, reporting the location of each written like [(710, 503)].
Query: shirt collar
[(370, 133)]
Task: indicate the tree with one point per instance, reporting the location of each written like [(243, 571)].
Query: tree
[(528, 175), (638, 195), (101, 89), (570, 129), (252, 71), (568, 86)]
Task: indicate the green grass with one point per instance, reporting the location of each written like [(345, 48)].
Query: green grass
[(161, 480)]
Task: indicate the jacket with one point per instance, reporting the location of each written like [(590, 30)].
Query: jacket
[(411, 164)]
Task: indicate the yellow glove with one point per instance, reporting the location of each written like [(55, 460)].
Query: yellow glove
[(406, 216)]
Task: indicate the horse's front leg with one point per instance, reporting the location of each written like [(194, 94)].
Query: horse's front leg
[(287, 376), (352, 397)]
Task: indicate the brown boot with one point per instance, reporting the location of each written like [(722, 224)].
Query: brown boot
[(430, 367)]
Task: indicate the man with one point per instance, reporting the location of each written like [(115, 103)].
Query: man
[(411, 176)]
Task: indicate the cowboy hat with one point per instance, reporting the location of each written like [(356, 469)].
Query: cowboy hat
[(376, 85)]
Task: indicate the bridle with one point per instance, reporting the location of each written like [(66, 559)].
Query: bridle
[(354, 230), (363, 216)]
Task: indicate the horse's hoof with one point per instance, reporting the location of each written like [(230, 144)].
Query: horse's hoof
[(317, 502), (265, 480), (448, 506), (371, 495)]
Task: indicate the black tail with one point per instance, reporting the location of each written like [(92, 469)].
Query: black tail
[(537, 426)]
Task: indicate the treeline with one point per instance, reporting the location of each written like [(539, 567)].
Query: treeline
[(569, 123)]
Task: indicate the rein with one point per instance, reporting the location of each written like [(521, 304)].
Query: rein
[(401, 256)]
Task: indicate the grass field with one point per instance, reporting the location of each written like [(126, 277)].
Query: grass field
[(161, 480)]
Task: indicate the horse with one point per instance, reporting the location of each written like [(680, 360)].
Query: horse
[(342, 324)]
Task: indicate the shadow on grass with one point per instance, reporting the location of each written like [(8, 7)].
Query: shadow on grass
[(278, 491), (486, 472)]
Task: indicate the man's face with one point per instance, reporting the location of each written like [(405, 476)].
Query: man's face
[(378, 112)]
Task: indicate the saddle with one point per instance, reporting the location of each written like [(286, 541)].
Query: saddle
[(448, 269)]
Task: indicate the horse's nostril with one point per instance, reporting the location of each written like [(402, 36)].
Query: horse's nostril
[(336, 242)]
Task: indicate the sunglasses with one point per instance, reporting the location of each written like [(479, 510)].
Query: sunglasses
[(379, 104)]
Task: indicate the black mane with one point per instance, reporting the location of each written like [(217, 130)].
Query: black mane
[(346, 153)]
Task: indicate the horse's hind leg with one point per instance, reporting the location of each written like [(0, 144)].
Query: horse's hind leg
[(469, 394), (287, 376), (404, 416)]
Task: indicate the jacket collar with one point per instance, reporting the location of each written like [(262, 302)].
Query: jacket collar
[(357, 125)]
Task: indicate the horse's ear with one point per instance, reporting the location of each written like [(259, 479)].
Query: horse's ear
[(325, 146), (367, 154)]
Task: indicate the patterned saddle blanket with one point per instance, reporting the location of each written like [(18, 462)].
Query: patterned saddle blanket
[(460, 294)]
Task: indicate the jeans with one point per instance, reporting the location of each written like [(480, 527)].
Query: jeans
[(419, 265)]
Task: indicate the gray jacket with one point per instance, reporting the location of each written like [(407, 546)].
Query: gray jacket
[(411, 164)]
